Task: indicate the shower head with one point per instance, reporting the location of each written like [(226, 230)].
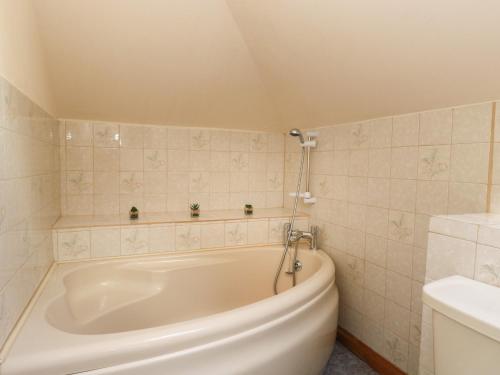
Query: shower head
[(297, 133)]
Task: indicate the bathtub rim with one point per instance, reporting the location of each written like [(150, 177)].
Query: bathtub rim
[(106, 350)]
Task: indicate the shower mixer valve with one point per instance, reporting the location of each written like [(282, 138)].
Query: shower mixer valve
[(310, 236)]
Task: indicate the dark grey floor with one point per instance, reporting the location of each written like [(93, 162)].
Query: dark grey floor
[(343, 362)]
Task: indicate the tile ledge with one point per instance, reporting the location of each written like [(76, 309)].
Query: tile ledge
[(68, 222)]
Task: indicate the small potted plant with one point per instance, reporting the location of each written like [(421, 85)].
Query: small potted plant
[(248, 209), (134, 213), (195, 210)]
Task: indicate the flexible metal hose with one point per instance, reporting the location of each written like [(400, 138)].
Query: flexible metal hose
[(292, 221)]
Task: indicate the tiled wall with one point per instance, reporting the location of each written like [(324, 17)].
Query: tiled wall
[(378, 182), (107, 168), (29, 200), (467, 245), (96, 242)]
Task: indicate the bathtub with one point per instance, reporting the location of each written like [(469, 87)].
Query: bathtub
[(205, 312)]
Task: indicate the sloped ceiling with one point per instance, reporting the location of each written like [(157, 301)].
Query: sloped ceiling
[(261, 64)]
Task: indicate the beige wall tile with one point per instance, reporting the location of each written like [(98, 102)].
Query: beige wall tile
[(235, 233), (340, 163), (339, 212), (434, 163), (131, 159), (212, 235), (106, 134), (380, 133), (403, 195), (378, 192), (397, 320), (178, 160), (376, 250), (435, 127), (79, 133), (134, 240), (106, 204), (105, 242), (355, 243), (377, 221), (398, 289), (131, 182), (400, 258), (258, 142), (155, 160), (240, 141), (359, 135), (199, 139), (220, 161), (419, 264), (200, 161), (469, 162), (374, 305), (161, 238), (379, 162), (459, 254), (131, 136), (357, 217), (342, 137), (405, 130), (156, 182), (106, 159), (187, 237), (467, 198), (178, 139), (432, 197), (154, 203), (472, 124), (257, 162), (375, 278), (358, 163), (404, 162), (357, 189), (73, 245), (488, 265), (156, 137), (257, 232), (81, 204), (79, 182), (220, 140), (401, 226), (79, 158), (396, 350)]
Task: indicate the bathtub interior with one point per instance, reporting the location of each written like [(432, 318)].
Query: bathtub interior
[(124, 295)]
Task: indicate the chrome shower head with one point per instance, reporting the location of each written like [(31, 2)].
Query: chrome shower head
[(297, 133)]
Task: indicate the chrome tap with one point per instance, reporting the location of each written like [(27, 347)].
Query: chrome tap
[(310, 236)]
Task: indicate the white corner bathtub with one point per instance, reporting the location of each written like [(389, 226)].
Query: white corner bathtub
[(208, 312)]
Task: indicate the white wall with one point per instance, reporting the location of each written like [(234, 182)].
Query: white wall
[(22, 60)]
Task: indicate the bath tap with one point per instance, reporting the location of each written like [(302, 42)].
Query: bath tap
[(310, 236)]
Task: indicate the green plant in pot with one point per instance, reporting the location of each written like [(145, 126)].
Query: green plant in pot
[(134, 213), (248, 209), (195, 210)]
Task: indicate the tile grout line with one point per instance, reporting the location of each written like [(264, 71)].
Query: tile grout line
[(491, 158)]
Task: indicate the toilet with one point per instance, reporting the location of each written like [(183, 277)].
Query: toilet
[(466, 324)]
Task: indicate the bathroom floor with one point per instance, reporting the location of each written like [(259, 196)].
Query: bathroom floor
[(343, 362)]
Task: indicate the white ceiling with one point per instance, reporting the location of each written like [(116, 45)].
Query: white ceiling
[(262, 64)]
